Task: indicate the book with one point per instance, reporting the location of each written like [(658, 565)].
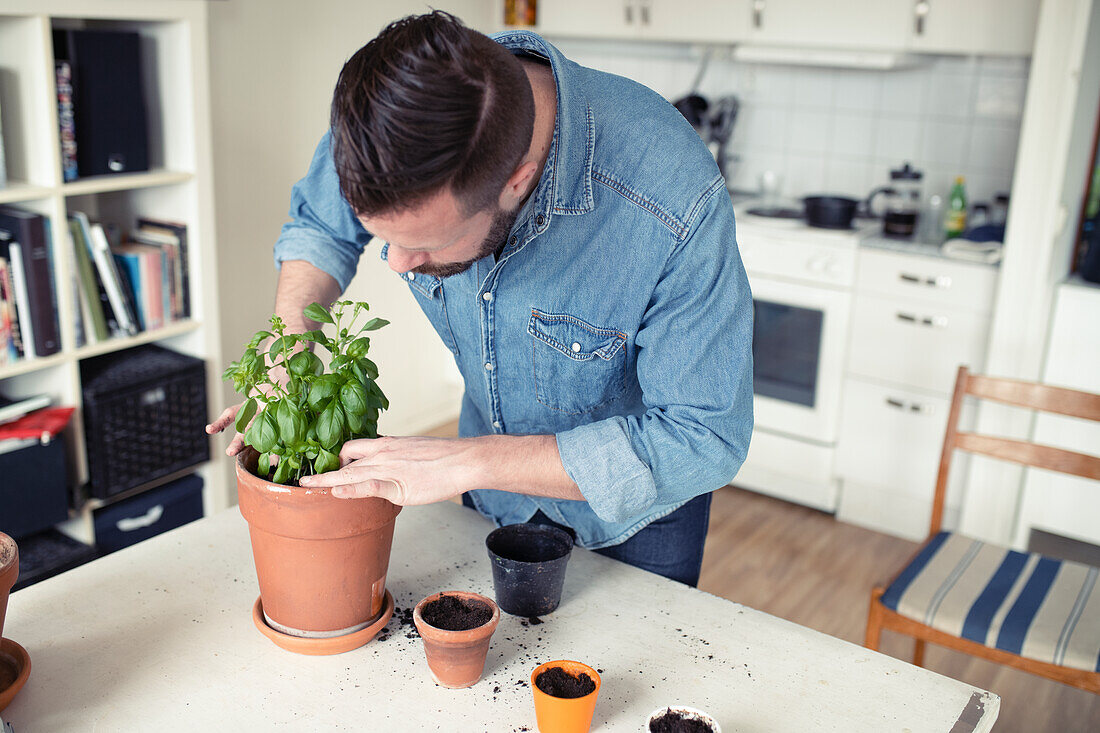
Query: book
[(112, 281), (14, 344), (7, 354), (144, 265), (66, 120), (32, 233), (94, 297), (182, 274), (22, 301), (11, 409)]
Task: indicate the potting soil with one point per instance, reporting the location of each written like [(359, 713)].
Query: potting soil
[(556, 682), (675, 722), (454, 614)]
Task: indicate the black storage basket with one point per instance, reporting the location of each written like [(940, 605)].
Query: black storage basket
[(144, 417)]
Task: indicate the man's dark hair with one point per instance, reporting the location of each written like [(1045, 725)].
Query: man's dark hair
[(429, 103)]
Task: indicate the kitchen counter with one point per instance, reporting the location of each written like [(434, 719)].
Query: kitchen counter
[(159, 637), (916, 247)]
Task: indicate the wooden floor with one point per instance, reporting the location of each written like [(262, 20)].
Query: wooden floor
[(809, 568), (805, 566)]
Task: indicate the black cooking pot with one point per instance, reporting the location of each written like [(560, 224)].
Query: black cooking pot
[(830, 212)]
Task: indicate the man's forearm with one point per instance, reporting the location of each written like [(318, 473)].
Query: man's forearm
[(300, 284), (525, 464)]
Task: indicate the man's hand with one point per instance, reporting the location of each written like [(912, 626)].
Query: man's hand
[(409, 471), (228, 416)]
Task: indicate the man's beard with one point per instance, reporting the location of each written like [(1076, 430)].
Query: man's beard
[(498, 232)]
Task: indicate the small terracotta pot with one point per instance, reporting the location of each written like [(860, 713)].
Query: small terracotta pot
[(685, 711), (560, 714), (9, 571), (456, 658), (321, 561)]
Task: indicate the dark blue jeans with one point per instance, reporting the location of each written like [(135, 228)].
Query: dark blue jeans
[(671, 546)]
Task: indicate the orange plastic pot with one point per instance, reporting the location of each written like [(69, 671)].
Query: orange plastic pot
[(321, 561), (565, 715), (9, 571), (456, 658)]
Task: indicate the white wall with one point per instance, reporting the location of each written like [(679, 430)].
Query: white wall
[(842, 130), (274, 64)]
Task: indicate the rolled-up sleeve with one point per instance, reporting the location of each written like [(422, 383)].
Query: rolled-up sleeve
[(694, 365), (322, 229)]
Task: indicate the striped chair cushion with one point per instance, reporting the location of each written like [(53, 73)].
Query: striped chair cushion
[(1027, 604)]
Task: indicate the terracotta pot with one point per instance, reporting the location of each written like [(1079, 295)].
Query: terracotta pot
[(321, 561), (456, 658), (560, 714), (9, 571)]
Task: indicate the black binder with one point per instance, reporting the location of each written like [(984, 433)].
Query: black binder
[(108, 100)]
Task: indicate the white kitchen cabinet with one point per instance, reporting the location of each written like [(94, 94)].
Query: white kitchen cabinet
[(915, 343), (993, 27), (1057, 502), (856, 24), (718, 21), (933, 280), (915, 319)]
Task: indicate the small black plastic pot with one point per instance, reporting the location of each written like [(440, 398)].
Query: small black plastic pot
[(528, 567), (830, 212)]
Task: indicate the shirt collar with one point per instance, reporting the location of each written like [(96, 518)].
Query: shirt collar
[(565, 186)]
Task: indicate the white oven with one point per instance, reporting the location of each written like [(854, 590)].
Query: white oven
[(801, 282)]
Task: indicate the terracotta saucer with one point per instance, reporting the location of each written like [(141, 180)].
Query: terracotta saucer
[(13, 659), (318, 647)]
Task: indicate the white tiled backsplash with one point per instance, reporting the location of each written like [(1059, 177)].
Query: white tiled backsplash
[(842, 130)]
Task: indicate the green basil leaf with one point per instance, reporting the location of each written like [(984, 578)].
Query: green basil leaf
[(326, 461), (369, 367), (245, 414), (306, 363), (353, 398), (285, 342), (263, 465), (358, 348), (322, 389), (375, 323), (291, 425), (315, 312), (356, 423), (330, 426), (282, 472), (263, 434), (259, 339)]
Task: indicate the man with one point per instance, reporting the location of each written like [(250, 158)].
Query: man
[(572, 242)]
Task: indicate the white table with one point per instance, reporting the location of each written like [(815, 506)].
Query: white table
[(160, 637)]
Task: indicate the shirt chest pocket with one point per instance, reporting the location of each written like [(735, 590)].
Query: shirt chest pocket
[(578, 367)]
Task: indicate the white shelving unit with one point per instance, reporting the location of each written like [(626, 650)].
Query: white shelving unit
[(178, 187)]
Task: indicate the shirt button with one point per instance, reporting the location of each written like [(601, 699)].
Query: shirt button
[(496, 424), (512, 241), (576, 347), (486, 297), (412, 276), (540, 220), (488, 366)]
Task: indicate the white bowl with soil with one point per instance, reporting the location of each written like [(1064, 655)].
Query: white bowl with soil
[(680, 719)]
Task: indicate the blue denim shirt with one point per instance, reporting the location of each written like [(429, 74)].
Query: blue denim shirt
[(618, 316)]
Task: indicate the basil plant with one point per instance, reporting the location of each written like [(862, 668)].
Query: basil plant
[(307, 417)]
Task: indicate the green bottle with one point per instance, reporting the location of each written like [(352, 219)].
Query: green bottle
[(955, 221)]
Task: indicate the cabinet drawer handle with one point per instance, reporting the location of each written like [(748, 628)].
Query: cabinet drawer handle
[(907, 317), (758, 13), (937, 281), (895, 403), (643, 11), (628, 6), (148, 518), (921, 10), (911, 407), (930, 321)]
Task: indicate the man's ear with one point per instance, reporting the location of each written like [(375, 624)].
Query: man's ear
[(516, 187)]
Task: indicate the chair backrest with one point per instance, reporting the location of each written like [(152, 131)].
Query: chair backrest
[(1031, 395)]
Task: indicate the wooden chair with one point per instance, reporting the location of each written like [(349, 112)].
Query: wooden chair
[(1020, 609)]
